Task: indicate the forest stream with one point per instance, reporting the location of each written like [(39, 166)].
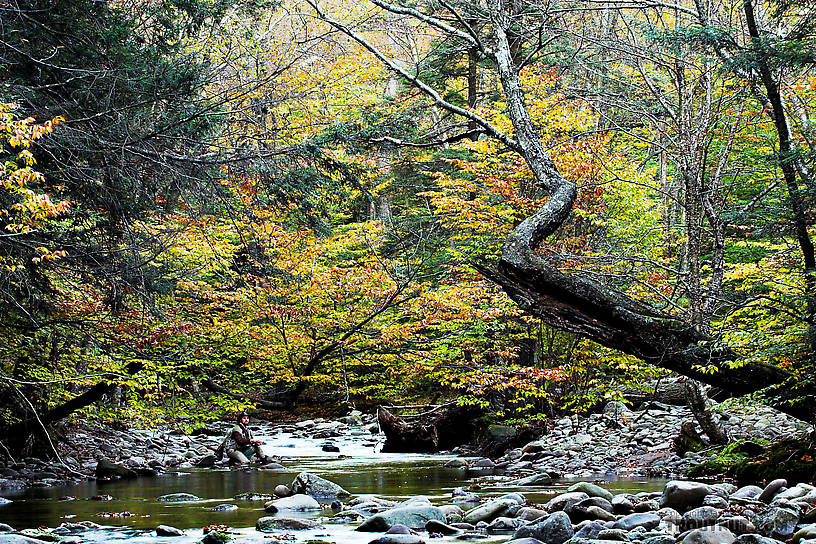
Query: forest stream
[(361, 469)]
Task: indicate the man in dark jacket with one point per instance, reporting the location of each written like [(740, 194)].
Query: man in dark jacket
[(241, 446)]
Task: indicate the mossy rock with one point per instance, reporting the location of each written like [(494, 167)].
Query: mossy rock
[(789, 459), (216, 537), (751, 462)]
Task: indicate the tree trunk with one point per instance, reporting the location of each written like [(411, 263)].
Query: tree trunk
[(696, 399), (579, 305)]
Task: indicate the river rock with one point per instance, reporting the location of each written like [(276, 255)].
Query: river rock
[(282, 491), (776, 522), (6, 528), (739, 525), (542, 478), (178, 497), (669, 515), (311, 484), (565, 500), (504, 525), (623, 504), (414, 516), (166, 530), (590, 531), (805, 533), (253, 497), (21, 539), (4, 501), (555, 529), (631, 521), (771, 490), (716, 501), (708, 535), (682, 495), (492, 510), (526, 540), (452, 513), (208, 461), (699, 517), (108, 470), (224, 508), (747, 492), (529, 513), (434, 526), (270, 523), (398, 539), (618, 535), (753, 538), (596, 512), (591, 489), (298, 503)]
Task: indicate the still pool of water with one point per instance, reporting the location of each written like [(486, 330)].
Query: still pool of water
[(361, 470)]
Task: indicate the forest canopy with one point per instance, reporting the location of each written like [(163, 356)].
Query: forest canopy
[(524, 206)]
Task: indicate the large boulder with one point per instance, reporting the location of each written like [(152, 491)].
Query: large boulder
[(682, 495), (415, 516), (398, 539), (565, 500), (309, 484), (20, 539), (295, 503), (708, 535), (492, 510), (554, 529), (591, 489), (776, 522), (271, 523), (167, 530), (753, 538)]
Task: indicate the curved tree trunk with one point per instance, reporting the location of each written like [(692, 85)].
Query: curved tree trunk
[(581, 306)]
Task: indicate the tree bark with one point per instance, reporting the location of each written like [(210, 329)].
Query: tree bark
[(579, 305)]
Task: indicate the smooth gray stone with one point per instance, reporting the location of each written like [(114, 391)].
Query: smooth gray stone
[(307, 483), (747, 492), (739, 525), (564, 500), (178, 497), (753, 538), (541, 478), (298, 503), (805, 533), (669, 515), (631, 521), (166, 530), (623, 504), (613, 534), (589, 530), (772, 489), (682, 495), (504, 525), (224, 508), (658, 539), (492, 510), (592, 490), (708, 535), (20, 539), (703, 516), (271, 523), (415, 517), (398, 539), (434, 526), (6, 528), (555, 529), (527, 540)]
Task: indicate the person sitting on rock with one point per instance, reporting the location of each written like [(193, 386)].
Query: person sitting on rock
[(241, 446)]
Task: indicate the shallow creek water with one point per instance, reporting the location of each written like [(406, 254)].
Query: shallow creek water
[(361, 470)]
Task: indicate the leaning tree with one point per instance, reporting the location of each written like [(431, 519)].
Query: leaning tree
[(571, 301)]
